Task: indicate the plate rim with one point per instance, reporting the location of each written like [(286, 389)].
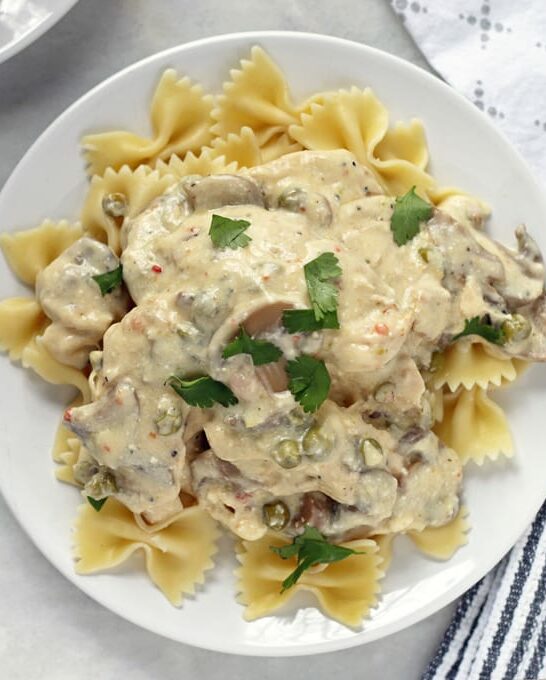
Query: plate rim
[(244, 648), (13, 47)]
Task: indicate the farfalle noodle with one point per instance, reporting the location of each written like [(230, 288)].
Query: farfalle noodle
[(180, 120), (208, 162), (257, 96), (21, 319), (474, 426), (248, 149), (345, 590), (356, 120), (442, 542), (177, 556), (66, 451), (36, 357), (278, 145), (241, 148), (466, 363), (349, 119), (28, 252), (404, 141)]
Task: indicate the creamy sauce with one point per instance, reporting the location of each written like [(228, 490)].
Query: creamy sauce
[(70, 297), (366, 462)]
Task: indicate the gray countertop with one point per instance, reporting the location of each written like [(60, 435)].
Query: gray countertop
[(48, 628)]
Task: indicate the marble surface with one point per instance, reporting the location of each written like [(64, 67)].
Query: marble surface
[(48, 628)]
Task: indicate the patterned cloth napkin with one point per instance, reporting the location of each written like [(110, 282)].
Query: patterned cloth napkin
[(494, 51)]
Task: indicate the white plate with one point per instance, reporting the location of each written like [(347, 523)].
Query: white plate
[(23, 21), (466, 150)]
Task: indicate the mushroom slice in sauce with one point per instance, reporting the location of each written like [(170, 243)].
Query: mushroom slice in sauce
[(217, 191), (314, 206)]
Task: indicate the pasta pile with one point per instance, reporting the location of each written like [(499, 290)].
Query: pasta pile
[(254, 120)]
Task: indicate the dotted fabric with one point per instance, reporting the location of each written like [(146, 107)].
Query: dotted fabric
[(494, 52)]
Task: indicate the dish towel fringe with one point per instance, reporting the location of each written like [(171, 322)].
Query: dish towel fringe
[(494, 52)]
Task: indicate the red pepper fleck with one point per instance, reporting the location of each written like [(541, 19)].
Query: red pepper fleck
[(381, 328), (157, 268), (106, 448), (153, 435), (265, 277), (136, 324), (68, 415), (337, 249)]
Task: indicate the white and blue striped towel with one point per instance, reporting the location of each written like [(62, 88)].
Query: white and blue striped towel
[(494, 51), (498, 631)]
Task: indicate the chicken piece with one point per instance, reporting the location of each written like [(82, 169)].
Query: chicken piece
[(72, 299), (487, 280)]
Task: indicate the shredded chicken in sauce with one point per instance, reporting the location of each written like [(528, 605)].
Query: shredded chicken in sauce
[(366, 461)]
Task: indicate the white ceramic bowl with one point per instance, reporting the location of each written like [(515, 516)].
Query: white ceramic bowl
[(466, 150), (21, 23)]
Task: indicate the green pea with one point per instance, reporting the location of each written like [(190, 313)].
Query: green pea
[(276, 515), (293, 199), (315, 444), (424, 254), (169, 421), (372, 452), (287, 453), (437, 362), (101, 485), (114, 205), (516, 328)]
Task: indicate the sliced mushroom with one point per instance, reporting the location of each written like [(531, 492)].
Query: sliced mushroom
[(265, 317), (524, 271), (273, 376), (314, 206), (317, 510), (215, 191)]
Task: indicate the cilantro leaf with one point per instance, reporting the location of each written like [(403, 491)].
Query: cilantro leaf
[(261, 351), (94, 503), (202, 392), (322, 292), (311, 548), (109, 280), (409, 211), (484, 328), (309, 381), (227, 233), (304, 320)]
